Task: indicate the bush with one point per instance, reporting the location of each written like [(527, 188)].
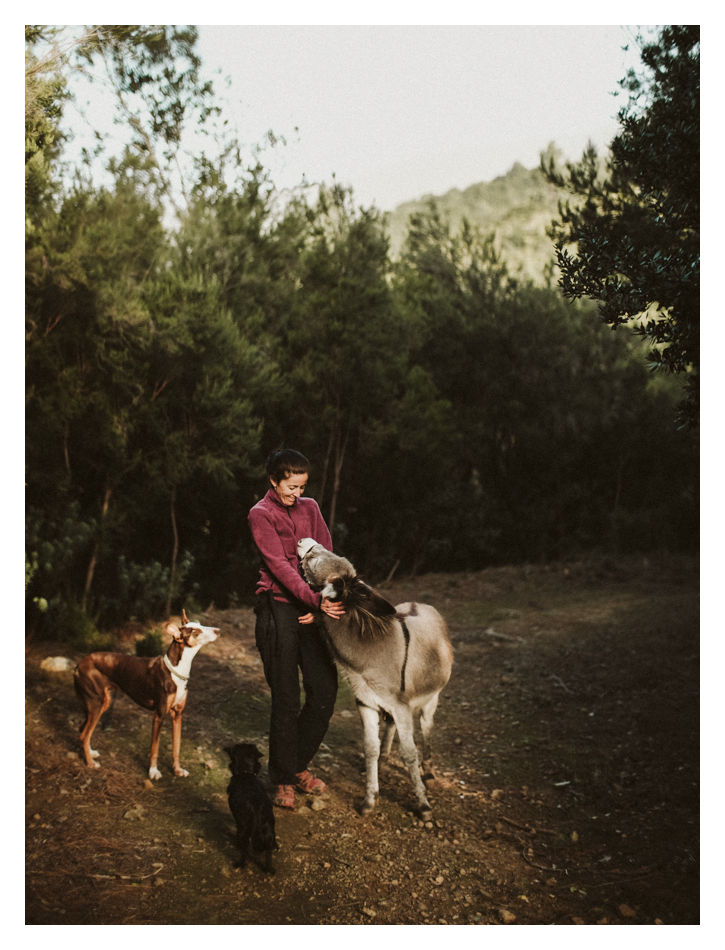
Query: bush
[(69, 623), (152, 644)]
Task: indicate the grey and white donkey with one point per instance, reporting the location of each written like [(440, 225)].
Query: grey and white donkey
[(396, 659)]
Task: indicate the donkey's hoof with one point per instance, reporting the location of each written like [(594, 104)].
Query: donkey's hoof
[(366, 807), (425, 812)]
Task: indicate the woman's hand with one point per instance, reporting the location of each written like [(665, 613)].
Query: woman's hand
[(333, 608)]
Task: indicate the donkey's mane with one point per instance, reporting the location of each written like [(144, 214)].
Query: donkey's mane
[(371, 626)]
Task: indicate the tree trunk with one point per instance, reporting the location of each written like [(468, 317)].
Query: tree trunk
[(94, 556), (323, 483), (340, 448), (174, 550), (66, 453)]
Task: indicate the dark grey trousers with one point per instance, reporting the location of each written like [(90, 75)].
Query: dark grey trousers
[(286, 647)]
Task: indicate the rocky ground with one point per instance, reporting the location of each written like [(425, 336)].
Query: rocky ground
[(567, 745)]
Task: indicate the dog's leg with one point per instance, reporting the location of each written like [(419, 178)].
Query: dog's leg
[(243, 845), (176, 714), (94, 711), (107, 718), (154, 772)]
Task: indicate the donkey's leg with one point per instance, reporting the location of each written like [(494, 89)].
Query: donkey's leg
[(371, 744), (388, 735), (409, 754), (426, 728)]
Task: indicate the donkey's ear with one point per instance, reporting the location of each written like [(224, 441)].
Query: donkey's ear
[(371, 600)]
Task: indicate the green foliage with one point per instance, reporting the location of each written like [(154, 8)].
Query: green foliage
[(631, 240), (456, 414), (31, 568), (152, 644), (143, 588), (45, 92), (69, 623)]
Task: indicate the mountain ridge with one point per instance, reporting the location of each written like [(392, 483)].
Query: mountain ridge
[(516, 207)]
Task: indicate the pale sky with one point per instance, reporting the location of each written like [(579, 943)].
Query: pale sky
[(400, 111)]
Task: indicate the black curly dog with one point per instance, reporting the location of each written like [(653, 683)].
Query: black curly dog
[(251, 807)]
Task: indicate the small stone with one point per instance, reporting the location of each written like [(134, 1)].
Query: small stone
[(439, 880), (506, 917), (626, 911), (57, 664), (369, 912), (317, 804), (496, 794)]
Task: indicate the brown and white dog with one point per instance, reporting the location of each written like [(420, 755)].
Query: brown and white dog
[(157, 683)]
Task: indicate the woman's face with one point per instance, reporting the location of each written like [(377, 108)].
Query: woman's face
[(289, 489)]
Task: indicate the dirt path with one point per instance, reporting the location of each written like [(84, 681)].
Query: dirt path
[(568, 785)]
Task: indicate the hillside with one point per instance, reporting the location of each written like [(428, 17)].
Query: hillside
[(517, 207)]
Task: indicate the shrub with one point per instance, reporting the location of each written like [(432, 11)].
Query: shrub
[(152, 644)]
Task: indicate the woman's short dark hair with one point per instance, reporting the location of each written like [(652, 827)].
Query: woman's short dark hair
[(286, 462)]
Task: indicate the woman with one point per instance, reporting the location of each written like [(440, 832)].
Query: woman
[(286, 633)]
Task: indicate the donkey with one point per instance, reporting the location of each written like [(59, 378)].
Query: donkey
[(396, 659)]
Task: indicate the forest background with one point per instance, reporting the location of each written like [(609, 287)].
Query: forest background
[(452, 370)]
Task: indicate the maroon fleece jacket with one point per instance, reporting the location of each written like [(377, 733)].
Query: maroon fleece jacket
[(276, 529)]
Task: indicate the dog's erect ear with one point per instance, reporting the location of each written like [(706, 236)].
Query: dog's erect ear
[(173, 630), (184, 618)]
